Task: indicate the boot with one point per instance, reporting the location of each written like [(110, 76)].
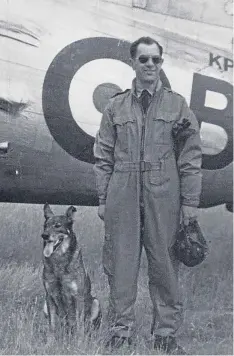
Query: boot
[(116, 342), (168, 344)]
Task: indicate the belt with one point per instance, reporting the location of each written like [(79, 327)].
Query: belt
[(141, 166)]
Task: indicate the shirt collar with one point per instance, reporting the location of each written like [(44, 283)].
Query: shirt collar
[(138, 92)]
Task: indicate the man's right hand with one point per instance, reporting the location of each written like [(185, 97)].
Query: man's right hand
[(101, 211)]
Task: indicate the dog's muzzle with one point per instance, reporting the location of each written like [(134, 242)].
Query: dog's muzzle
[(51, 245)]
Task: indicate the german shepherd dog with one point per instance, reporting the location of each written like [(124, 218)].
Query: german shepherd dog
[(67, 285)]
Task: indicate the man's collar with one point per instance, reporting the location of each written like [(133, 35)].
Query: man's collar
[(138, 91)]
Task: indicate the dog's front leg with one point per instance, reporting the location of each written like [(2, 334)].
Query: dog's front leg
[(72, 314), (51, 308)]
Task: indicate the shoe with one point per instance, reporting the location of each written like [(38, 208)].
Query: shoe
[(169, 345), (117, 342)]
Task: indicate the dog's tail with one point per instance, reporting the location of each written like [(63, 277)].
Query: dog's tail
[(93, 314), (96, 314)]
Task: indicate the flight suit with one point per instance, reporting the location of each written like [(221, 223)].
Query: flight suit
[(151, 163)]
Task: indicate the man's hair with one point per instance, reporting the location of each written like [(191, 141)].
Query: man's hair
[(145, 40)]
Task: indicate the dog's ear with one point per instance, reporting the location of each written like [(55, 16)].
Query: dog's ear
[(47, 211), (70, 213)]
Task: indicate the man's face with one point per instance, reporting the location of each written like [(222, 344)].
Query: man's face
[(147, 63)]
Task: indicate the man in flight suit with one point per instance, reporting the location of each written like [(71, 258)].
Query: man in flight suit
[(148, 174)]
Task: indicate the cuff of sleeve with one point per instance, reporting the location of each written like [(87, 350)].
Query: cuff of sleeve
[(190, 202), (190, 188)]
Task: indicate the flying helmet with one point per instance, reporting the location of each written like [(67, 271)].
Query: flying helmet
[(190, 247)]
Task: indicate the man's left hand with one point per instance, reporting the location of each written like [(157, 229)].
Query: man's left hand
[(188, 213)]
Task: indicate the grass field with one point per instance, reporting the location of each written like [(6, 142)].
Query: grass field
[(207, 288)]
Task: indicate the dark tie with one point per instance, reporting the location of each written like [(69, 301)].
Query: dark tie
[(144, 100)]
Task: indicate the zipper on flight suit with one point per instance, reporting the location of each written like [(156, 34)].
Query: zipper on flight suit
[(142, 155)]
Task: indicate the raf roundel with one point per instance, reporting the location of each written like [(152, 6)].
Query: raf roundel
[(56, 86)]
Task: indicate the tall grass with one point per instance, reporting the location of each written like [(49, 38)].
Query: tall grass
[(207, 288)]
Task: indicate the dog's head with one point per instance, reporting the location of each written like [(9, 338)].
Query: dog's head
[(57, 230)]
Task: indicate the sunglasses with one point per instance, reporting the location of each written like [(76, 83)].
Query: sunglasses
[(144, 59)]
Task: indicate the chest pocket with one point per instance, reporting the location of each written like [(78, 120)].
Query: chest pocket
[(124, 127), (162, 128)]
